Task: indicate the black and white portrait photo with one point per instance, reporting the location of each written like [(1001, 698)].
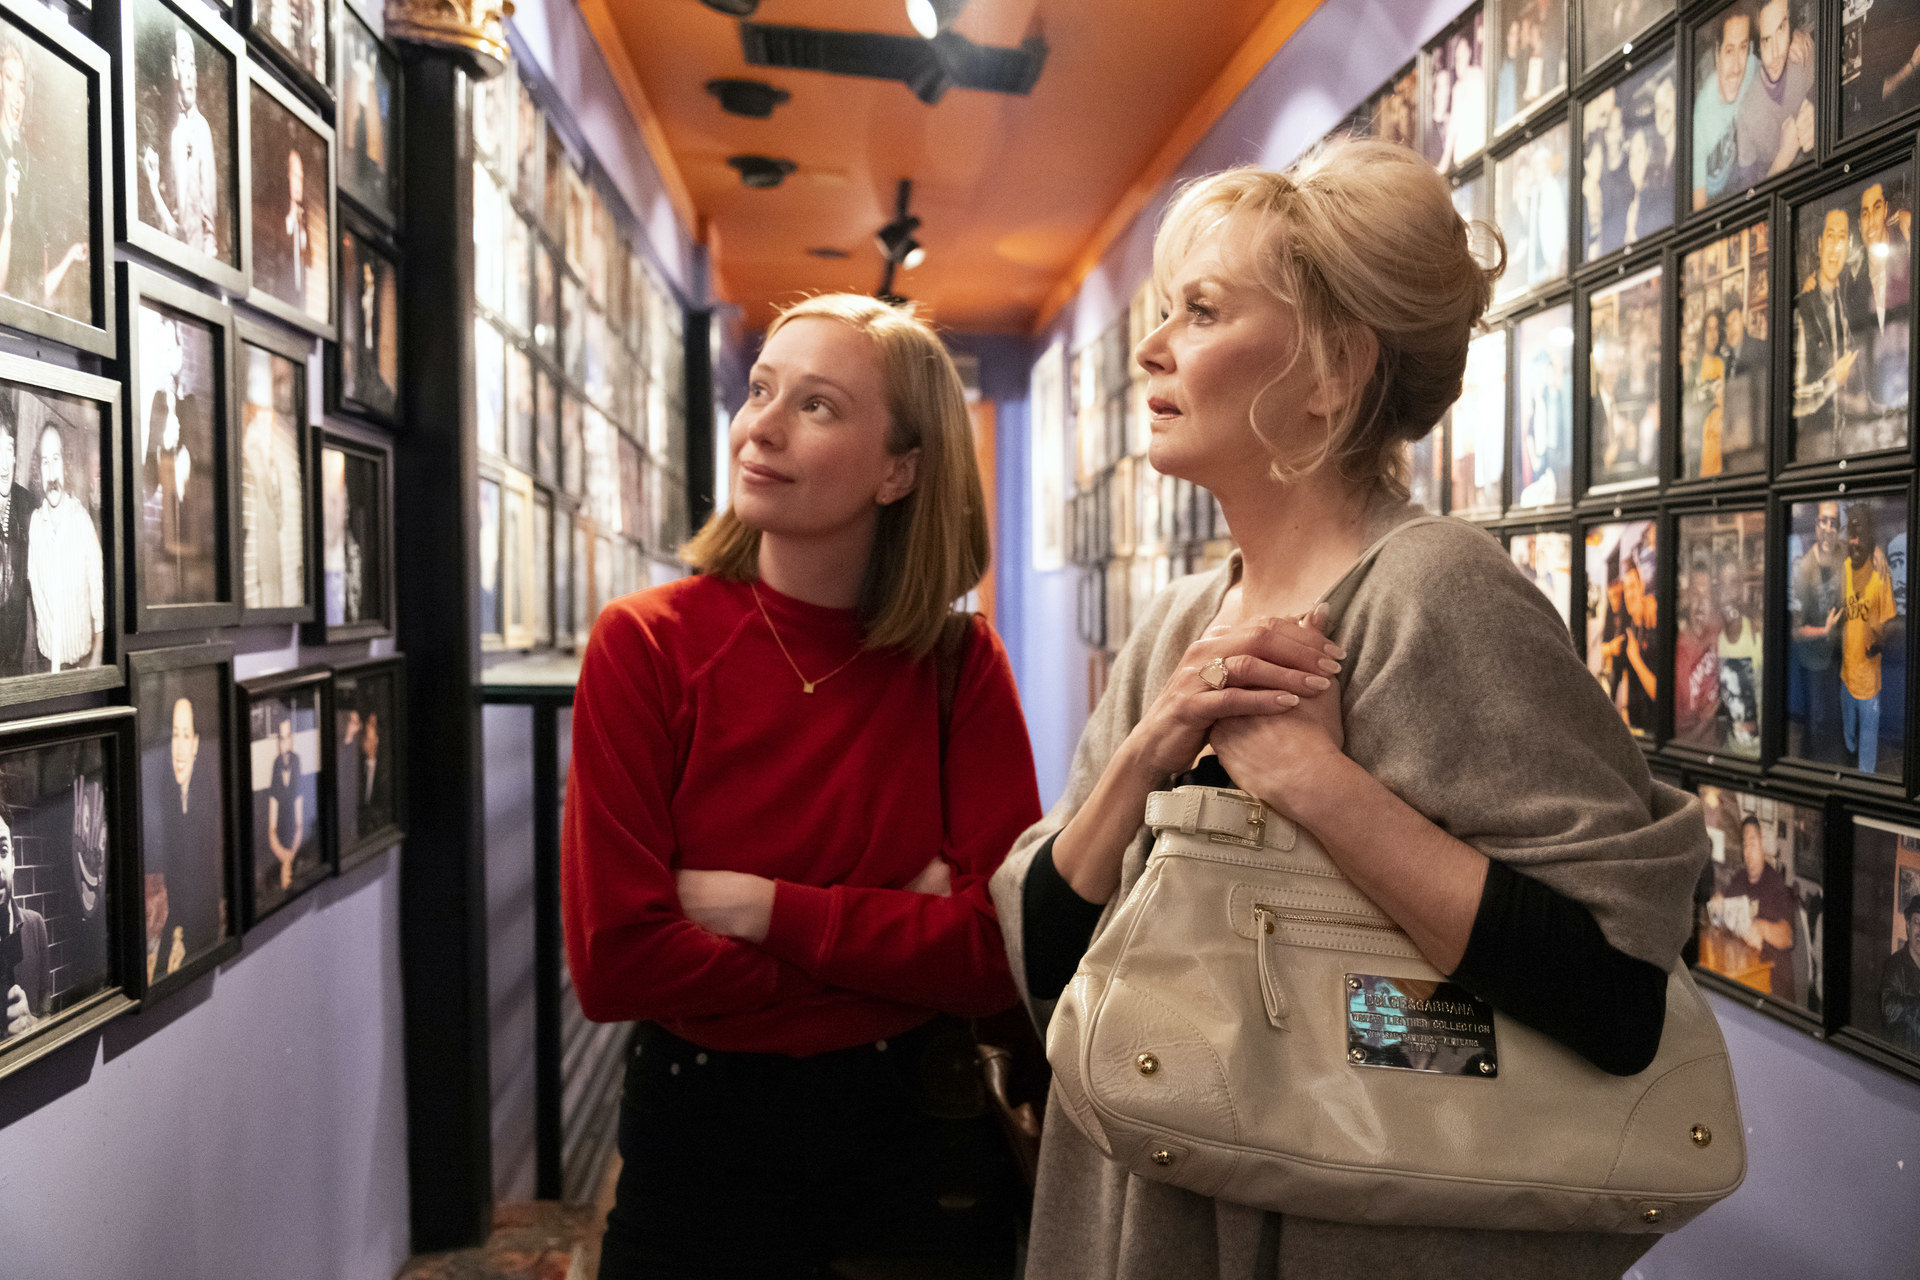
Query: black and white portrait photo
[(353, 555), (1725, 385), (184, 137), (1852, 318), (1455, 127), (176, 399), (46, 158), (183, 810), (56, 892), (1530, 205), (292, 234), (284, 766), (297, 30), (1879, 63), (273, 412), (366, 748), (369, 326), (53, 613), (1628, 141), (369, 90)]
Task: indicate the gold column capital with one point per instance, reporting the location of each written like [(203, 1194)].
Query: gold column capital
[(474, 27)]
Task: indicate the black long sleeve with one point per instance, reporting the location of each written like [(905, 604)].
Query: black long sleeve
[(1056, 924)]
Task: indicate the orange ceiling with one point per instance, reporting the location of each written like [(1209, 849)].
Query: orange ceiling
[(1017, 195)]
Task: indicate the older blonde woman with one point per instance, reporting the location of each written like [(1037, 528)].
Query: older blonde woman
[(1461, 768), (770, 856)]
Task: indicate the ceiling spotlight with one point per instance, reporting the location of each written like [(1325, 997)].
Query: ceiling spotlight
[(931, 17), (733, 8), (752, 98), (897, 246), (761, 171), (915, 256)]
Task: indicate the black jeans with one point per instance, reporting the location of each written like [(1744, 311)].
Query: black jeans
[(764, 1166)]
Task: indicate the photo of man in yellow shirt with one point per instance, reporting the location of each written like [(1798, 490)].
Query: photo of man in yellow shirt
[(1866, 607)]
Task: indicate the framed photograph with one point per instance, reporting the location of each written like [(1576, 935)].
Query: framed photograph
[(369, 119), (490, 387), (1543, 409), (60, 571), (288, 785), (519, 425), (573, 331), (603, 470), (1884, 985), (367, 357), (1761, 923), (1470, 198), (1629, 151), (68, 877), (546, 301), (297, 36), (1545, 556), (517, 270), (1455, 126), (1530, 204), (1846, 608), (183, 508), (494, 104), (56, 280), (540, 592), (183, 103), (275, 528), (293, 213), (369, 752), (1853, 318), (1606, 25), (1529, 58), (530, 151), (573, 479), (356, 539), (183, 697), (492, 588), (546, 428), (1624, 378), (585, 608), (1428, 459), (1720, 617), (562, 597), (1756, 95), (1479, 429), (1396, 109), (1623, 624), (516, 553), (1725, 384), (633, 489), (1877, 80)]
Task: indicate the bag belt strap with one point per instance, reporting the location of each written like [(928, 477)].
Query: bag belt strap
[(1213, 811)]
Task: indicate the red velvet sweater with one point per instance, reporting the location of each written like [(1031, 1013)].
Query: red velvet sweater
[(694, 746)]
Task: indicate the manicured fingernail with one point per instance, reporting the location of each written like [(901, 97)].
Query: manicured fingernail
[(1329, 666), (1333, 650), (1288, 699), (1317, 683)]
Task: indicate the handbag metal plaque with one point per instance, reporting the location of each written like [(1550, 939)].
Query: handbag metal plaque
[(1417, 1025)]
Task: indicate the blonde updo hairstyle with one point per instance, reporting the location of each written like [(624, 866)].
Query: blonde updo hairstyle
[(1359, 239), (930, 547)]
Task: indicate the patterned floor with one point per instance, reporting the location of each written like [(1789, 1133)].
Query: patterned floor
[(541, 1240)]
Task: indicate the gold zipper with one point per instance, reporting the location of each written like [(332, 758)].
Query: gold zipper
[(1293, 916)]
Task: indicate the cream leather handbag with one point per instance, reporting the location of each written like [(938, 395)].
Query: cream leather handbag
[(1251, 1026)]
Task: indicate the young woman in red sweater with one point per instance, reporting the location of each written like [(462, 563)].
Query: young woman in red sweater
[(771, 860)]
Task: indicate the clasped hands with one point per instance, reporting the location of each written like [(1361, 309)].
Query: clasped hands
[(738, 904), (1272, 720)]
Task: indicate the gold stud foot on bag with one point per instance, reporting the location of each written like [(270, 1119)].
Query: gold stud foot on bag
[(1701, 1135), (1147, 1063), (1162, 1157)]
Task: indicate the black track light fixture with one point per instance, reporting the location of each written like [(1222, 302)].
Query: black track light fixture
[(897, 246), (754, 99), (733, 8), (762, 171), (931, 17)]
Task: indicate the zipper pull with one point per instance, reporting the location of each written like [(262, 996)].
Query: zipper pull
[(1268, 959)]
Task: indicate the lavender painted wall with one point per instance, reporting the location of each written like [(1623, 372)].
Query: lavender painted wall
[(1833, 1142)]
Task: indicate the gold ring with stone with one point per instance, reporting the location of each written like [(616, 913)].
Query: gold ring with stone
[(1215, 674)]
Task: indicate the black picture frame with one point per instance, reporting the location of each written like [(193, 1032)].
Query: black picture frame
[(1499, 14), (1551, 488), (105, 816), (1616, 675), (105, 395), (357, 450), (148, 674), (1697, 39), (1597, 47), (1852, 937), (1532, 275), (374, 188), (1750, 380), (141, 288), (1562, 598), (298, 351), (351, 390), (1726, 746), (264, 183), (1654, 211), (255, 18), (96, 334), (254, 701), (117, 22), (354, 843)]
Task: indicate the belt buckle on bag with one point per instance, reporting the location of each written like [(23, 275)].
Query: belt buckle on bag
[(1257, 828)]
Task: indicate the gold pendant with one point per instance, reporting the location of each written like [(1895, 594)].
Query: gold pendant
[(806, 686)]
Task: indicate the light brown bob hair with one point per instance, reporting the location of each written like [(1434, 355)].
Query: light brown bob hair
[(1361, 238), (931, 546)]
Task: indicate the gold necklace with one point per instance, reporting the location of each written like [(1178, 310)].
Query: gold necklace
[(806, 685)]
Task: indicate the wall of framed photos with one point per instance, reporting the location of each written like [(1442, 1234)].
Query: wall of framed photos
[(1671, 507)]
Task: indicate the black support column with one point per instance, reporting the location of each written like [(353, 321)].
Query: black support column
[(443, 915)]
